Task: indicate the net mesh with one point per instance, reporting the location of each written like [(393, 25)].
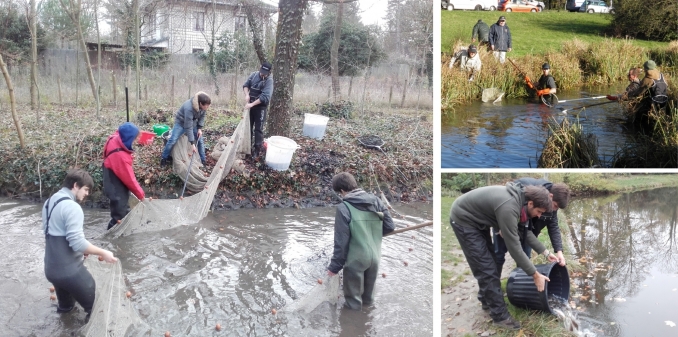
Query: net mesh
[(113, 313), (492, 94), (328, 291)]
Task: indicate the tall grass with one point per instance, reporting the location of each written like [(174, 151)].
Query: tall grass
[(568, 146)]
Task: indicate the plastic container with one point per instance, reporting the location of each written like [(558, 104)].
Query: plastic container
[(522, 292), (315, 125), (159, 129), (146, 138), (279, 152)]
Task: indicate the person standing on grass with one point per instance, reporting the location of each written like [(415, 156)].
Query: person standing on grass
[(258, 90), (189, 120), (560, 196), (500, 39), (119, 178), (469, 61), (546, 84), (481, 32), (506, 209), (359, 225), (65, 244)]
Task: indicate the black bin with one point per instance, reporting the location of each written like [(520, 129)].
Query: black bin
[(522, 292)]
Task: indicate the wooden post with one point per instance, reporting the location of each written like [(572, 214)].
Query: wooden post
[(350, 87), (189, 91), (402, 100), (115, 91), (172, 93), (329, 92), (59, 87), (77, 75), (390, 96), (145, 92)]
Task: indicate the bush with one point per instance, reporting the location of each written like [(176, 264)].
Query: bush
[(15, 38), (657, 22), (341, 109)]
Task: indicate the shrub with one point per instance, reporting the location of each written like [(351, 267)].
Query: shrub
[(657, 22)]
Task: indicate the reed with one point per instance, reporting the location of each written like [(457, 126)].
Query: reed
[(609, 61), (568, 146)]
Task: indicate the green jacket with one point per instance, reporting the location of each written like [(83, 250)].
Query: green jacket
[(481, 31), (499, 207)]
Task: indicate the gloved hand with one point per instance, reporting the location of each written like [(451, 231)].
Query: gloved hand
[(529, 83), (543, 92), (612, 98)]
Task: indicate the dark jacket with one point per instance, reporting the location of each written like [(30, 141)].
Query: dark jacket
[(501, 208), (118, 158), (546, 82), (342, 233), (189, 116), (547, 219), (259, 88), (648, 81), (500, 37), (481, 31), (633, 86)]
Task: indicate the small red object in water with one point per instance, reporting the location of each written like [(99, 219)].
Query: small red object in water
[(320, 281), (119, 221), (218, 327), (52, 297), (405, 263), (51, 289), (167, 334), (146, 138), (383, 274), (101, 258), (273, 311), (150, 199), (206, 187), (128, 294), (411, 249)]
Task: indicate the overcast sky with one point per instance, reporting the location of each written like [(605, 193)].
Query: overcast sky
[(372, 11)]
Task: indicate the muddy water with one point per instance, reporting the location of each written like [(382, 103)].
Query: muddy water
[(511, 134), (232, 269), (630, 244)]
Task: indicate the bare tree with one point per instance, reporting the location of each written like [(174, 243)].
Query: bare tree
[(74, 8), (31, 16), (12, 100), (255, 26)]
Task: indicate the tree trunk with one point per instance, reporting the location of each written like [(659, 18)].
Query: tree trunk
[(288, 37), (98, 98), (74, 13), (255, 26), (137, 38), (12, 101), (334, 52), (34, 56)]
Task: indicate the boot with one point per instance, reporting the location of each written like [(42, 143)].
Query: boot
[(508, 323), (164, 162), (256, 152)]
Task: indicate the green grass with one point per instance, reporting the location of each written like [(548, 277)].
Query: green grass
[(532, 33)]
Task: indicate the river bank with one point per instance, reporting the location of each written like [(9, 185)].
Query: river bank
[(60, 138)]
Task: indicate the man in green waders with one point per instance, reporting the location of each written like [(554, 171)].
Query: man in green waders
[(360, 223)]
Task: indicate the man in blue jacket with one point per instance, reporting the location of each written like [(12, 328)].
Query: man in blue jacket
[(189, 119), (258, 90), (500, 39)]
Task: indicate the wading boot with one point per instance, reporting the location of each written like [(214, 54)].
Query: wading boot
[(256, 152), (163, 162), (508, 323)]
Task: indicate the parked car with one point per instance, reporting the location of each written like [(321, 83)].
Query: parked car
[(478, 5), (596, 7), (443, 4), (574, 5), (539, 4), (516, 6)]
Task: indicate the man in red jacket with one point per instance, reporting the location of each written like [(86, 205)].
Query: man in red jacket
[(119, 179)]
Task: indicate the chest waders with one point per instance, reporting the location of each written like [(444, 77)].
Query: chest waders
[(115, 190), (65, 270), (362, 261), (257, 115)]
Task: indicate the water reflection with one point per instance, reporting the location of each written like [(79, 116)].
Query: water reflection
[(512, 133), (629, 245)]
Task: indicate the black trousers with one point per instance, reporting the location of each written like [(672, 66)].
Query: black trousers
[(479, 252), (257, 120), (79, 287), (118, 194)]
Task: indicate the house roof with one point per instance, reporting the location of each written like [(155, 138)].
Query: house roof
[(260, 4)]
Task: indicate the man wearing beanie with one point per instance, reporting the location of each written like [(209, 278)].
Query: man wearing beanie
[(500, 39), (653, 83), (119, 178), (481, 31), (258, 90), (469, 61)]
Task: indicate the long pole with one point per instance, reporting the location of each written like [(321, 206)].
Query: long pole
[(580, 99), (586, 106), (397, 231), (127, 101)]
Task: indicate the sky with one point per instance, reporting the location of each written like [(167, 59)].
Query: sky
[(372, 11)]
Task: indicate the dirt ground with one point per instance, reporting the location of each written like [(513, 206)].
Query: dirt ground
[(461, 312)]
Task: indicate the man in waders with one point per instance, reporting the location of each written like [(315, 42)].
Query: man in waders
[(560, 196), (634, 84), (653, 84), (506, 209), (546, 84), (189, 120), (65, 244), (119, 178), (359, 224), (258, 90)]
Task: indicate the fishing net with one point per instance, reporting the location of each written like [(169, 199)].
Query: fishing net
[(113, 313), (328, 291), (492, 94)]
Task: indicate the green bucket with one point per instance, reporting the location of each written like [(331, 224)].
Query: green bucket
[(159, 129)]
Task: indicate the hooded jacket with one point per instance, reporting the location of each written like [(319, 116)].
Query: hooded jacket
[(259, 88), (647, 83), (189, 116), (342, 233), (118, 157), (547, 219), (499, 207), (500, 37)]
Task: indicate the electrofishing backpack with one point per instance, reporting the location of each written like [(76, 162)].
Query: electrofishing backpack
[(658, 91)]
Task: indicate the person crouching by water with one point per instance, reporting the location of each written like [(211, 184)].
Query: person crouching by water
[(469, 61), (189, 119), (507, 209), (119, 178), (360, 222), (65, 244), (258, 90)]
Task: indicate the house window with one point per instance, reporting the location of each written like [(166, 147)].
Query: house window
[(240, 23), (198, 51), (199, 21)]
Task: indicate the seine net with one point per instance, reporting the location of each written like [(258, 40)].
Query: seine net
[(328, 291), (113, 313)]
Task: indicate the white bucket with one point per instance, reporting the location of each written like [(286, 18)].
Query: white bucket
[(279, 152), (314, 125)]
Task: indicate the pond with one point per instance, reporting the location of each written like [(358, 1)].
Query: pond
[(511, 134), (629, 246), (231, 268)]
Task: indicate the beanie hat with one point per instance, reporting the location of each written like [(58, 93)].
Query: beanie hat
[(472, 49), (649, 65), (128, 133)]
